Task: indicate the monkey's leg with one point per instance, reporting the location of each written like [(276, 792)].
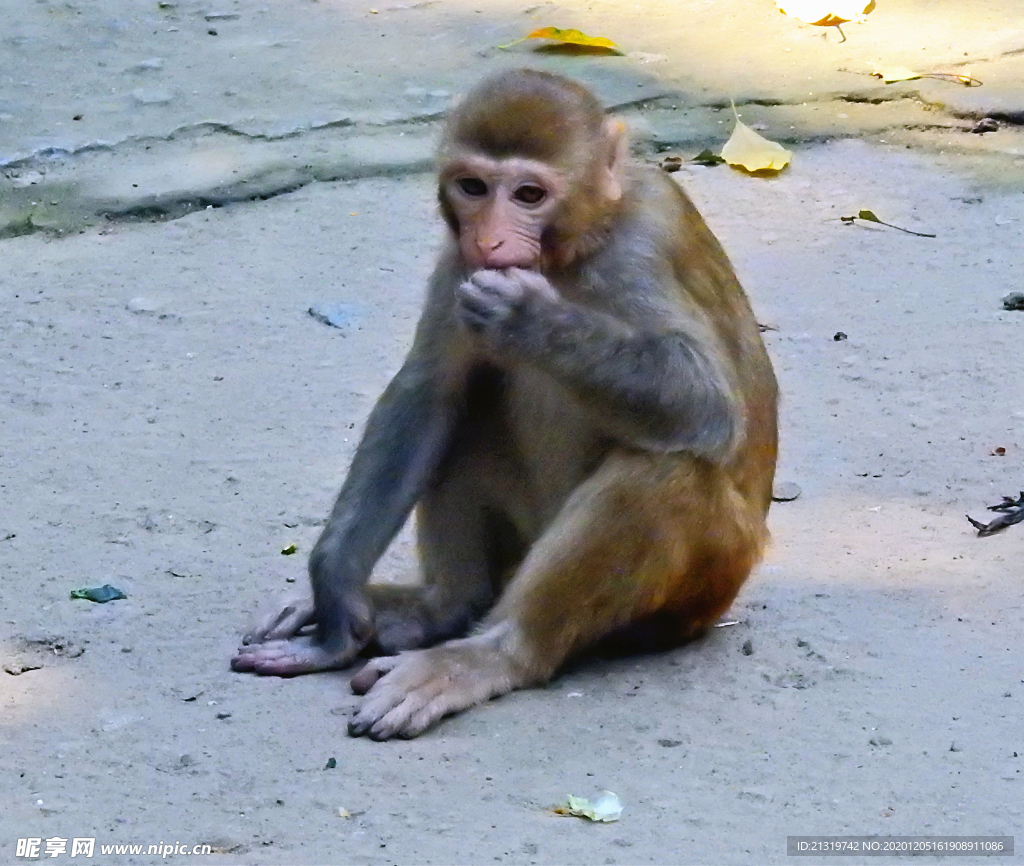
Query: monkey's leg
[(644, 535), (463, 546)]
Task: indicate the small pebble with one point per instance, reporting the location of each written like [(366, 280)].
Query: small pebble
[(986, 124), (786, 491)]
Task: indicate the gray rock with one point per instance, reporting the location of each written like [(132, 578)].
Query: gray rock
[(1014, 301)]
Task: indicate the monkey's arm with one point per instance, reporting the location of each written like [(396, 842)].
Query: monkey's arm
[(405, 439), (661, 390), (406, 436)]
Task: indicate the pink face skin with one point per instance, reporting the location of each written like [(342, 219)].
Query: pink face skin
[(502, 208)]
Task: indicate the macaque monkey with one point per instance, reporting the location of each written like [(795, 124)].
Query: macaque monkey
[(585, 425)]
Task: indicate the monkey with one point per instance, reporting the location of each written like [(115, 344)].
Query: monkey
[(585, 426)]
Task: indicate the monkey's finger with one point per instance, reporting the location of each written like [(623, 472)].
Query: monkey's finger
[(244, 662), (292, 621), (477, 314), (476, 317), (499, 284), (469, 293), (533, 281), (284, 623), (289, 658)]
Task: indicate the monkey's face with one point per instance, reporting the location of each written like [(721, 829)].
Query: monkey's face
[(500, 208)]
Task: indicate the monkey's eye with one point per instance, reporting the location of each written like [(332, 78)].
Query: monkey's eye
[(472, 186), (529, 193)]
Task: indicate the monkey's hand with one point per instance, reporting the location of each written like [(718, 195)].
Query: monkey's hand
[(276, 647), (499, 305)]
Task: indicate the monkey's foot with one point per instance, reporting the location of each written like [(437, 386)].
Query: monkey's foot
[(407, 693), (289, 658)]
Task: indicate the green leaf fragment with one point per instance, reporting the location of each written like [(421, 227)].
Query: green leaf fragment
[(707, 157), (99, 594)]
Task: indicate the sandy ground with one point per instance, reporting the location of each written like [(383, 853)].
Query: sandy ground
[(173, 418)]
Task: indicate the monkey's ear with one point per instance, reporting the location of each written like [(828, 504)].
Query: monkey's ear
[(617, 153)]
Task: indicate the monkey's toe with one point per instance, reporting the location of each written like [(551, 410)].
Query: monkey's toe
[(407, 694), (390, 711), (373, 670)]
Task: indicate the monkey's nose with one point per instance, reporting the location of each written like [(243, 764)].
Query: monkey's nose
[(491, 252)]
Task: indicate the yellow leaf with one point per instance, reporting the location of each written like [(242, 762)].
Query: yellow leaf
[(892, 74), (746, 149), (571, 37), (826, 13)]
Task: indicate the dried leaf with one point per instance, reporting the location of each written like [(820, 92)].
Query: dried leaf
[(892, 74), (567, 37), (571, 37), (869, 216), (604, 807), (826, 13), (746, 149)]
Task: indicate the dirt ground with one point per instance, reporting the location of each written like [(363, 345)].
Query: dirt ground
[(173, 418)]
